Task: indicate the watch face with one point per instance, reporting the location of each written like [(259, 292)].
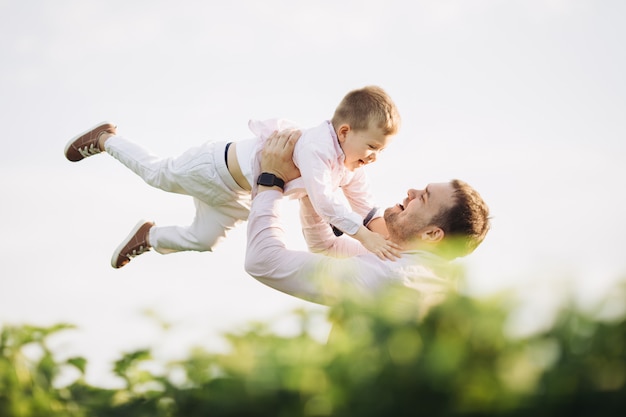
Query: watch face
[(266, 179), (270, 180)]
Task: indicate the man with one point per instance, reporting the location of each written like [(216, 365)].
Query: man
[(432, 227)]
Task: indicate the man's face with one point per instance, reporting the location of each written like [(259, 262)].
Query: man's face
[(363, 146), (406, 220)]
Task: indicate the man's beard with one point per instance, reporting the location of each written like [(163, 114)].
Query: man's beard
[(395, 230), (400, 231)]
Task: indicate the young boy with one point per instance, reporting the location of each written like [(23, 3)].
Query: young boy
[(220, 176)]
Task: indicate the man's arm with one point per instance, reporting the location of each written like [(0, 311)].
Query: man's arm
[(267, 258), (270, 262)]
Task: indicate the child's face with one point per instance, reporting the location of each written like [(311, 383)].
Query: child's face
[(361, 147)]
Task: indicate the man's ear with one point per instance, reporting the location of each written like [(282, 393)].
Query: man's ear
[(342, 132), (432, 234)]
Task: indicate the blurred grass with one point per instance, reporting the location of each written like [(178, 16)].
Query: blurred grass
[(382, 358)]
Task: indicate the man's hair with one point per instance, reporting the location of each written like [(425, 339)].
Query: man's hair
[(465, 224), (371, 104)]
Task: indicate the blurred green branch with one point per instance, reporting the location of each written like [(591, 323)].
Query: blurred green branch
[(382, 358)]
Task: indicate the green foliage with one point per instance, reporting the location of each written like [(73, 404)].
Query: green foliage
[(382, 358), (26, 386)]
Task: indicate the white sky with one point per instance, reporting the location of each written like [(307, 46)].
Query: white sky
[(525, 100)]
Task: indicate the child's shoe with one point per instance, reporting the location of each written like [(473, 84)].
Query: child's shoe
[(86, 144), (135, 244)]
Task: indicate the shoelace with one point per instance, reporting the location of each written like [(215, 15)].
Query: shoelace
[(137, 252), (89, 150)]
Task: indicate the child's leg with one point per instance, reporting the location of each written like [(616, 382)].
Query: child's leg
[(209, 227), (202, 173), (167, 174)]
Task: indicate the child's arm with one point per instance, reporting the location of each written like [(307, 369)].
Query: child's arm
[(317, 162), (321, 239), (379, 226), (359, 196), (377, 244)]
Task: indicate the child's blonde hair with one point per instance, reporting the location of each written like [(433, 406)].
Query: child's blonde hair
[(371, 104)]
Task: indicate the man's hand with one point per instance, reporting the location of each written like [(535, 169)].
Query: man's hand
[(277, 155)]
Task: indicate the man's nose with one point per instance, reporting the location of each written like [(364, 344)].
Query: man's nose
[(413, 193)]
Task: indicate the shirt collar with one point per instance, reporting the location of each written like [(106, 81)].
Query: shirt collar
[(340, 155)]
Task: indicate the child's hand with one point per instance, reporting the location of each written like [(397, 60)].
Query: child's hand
[(378, 245)]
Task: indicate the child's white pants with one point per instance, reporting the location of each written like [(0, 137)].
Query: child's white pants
[(199, 172)]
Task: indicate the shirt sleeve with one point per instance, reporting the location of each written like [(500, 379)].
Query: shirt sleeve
[(319, 236), (316, 168), (359, 195), (311, 276)]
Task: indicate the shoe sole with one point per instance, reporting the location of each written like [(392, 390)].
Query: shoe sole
[(75, 138), (118, 250)]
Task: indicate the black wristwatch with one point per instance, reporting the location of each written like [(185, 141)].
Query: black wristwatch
[(270, 180)]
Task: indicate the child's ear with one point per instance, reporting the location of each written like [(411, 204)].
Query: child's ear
[(342, 132)]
